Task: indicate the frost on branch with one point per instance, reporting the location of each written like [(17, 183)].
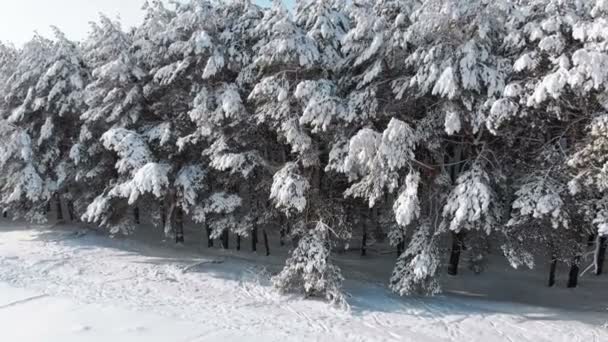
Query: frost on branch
[(322, 106), (362, 150), (289, 189), (309, 268), (160, 133), (537, 199), (22, 181), (453, 123), (188, 182), (416, 267), (502, 111), (24, 184), (472, 204), (375, 159), (284, 42), (15, 143), (407, 206), (446, 85), (152, 178), (219, 212), (97, 211), (213, 107), (591, 161), (601, 218), (325, 24), (222, 203), (222, 159), (130, 147)]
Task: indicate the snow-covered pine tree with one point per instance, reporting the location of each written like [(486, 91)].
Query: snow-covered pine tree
[(235, 146), (115, 102), (43, 100), (326, 24), (552, 90), (8, 62), (295, 102), (309, 267), (374, 47), (461, 70), (23, 191), (283, 53)]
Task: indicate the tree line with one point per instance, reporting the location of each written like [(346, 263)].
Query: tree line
[(432, 124)]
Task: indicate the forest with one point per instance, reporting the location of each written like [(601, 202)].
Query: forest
[(435, 125)]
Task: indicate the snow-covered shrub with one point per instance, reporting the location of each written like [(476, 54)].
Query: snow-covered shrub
[(309, 268)]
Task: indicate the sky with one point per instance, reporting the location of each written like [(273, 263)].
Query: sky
[(20, 18)]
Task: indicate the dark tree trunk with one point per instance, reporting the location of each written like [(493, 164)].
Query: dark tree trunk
[(254, 239), (457, 242), (601, 255), (400, 248), (163, 213), (238, 242), (209, 239), (225, 239), (5, 214), (282, 231), (136, 214), (266, 245), (179, 226), (48, 207), (71, 210), (552, 271), (364, 244), (573, 276), (59, 209)]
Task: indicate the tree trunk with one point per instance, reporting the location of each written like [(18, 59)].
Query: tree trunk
[(552, 271), (59, 209), (282, 231), (179, 226), (71, 210), (163, 213), (282, 237), (238, 242), (364, 243), (266, 242), (254, 238), (457, 239), (374, 226), (209, 239), (5, 214), (364, 237), (591, 240), (136, 214), (225, 239), (400, 248), (573, 276), (601, 254)]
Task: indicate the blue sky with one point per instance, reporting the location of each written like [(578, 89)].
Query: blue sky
[(267, 2), (20, 18)]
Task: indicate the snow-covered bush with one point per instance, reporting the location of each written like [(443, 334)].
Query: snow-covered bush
[(309, 267)]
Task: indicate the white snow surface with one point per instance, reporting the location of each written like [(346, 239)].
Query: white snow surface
[(68, 283)]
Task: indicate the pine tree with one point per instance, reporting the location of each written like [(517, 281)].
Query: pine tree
[(309, 267), (44, 97)]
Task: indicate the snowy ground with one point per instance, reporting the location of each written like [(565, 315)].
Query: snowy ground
[(65, 284)]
